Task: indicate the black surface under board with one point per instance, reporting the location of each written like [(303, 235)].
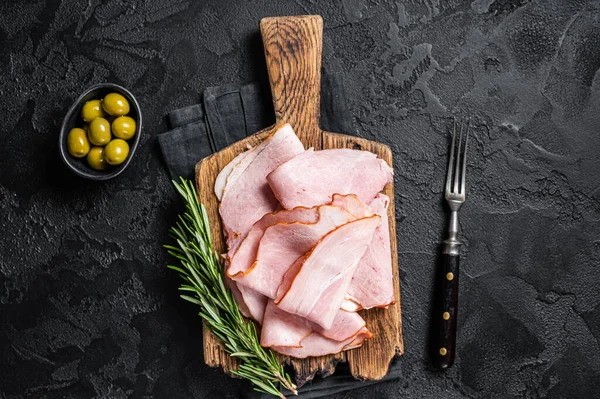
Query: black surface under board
[(87, 306)]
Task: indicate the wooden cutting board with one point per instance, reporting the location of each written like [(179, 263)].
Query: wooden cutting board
[(293, 47)]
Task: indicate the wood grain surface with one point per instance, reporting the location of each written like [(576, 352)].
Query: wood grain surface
[(293, 48)]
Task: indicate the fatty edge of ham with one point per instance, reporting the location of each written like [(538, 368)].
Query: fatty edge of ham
[(312, 177), (353, 205), (224, 174), (372, 283), (315, 286), (282, 243), (285, 329), (243, 256), (246, 195)]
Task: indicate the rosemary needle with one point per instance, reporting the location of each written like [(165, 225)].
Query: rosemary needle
[(201, 269)]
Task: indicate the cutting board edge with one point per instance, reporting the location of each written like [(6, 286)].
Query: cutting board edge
[(360, 140)]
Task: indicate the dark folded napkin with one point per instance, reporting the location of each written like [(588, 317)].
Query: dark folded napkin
[(339, 382), (231, 112), (228, 114)]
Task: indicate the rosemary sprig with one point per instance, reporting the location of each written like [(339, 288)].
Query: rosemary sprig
[(203, 273)]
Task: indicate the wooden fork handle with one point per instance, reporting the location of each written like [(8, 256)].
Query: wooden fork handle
[(444, 340)]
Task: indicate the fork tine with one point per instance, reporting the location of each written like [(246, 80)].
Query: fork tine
[(451, 161), (457, 170), (463, 187)]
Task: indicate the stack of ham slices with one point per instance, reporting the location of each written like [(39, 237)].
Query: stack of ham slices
[(308, 242)]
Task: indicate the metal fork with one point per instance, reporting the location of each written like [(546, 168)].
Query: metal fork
[(455, 193)]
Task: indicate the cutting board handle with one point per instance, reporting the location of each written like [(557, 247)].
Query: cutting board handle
[(293, 49)]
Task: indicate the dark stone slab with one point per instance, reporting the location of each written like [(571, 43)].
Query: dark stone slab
[(87, 307)]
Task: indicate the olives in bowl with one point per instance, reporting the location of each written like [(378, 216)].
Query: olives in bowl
[(101, 132)]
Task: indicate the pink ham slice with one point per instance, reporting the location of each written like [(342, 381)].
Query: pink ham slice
[(293, 335), (285, 329), (254, 302), (360, 210), (224, 174), (315, 285), (282, 328), (372, 284), (318, 345), (251, 303), (353, 205), (244, 180), (282, 243), (237, 295), (312, 177), (246, 196), (242, 257)]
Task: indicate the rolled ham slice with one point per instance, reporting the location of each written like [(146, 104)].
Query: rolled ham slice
[(315, 285), (372, 284), (246, 196), (281, 244), (312, 177)]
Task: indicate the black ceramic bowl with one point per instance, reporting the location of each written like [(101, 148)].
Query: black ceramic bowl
[(73, 119)]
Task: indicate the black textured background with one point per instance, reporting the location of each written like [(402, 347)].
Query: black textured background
[(87, 308)]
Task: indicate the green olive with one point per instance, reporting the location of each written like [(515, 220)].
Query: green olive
[(77, 143), (96, 159), (116, 151), (115, 104), (124, 127), (92, 109), (99, 132), (86, 127)]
